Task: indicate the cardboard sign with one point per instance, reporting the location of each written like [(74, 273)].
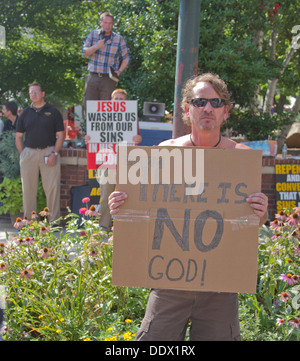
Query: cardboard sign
[(287, 186), (167, 236)]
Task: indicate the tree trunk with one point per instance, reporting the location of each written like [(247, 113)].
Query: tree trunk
[(285, 131), (258, 41), (272, 83)]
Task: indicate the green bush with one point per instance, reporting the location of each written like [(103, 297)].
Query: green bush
[(11, 199), (9, 160), (11, 196), (58, 285), (273, 313)]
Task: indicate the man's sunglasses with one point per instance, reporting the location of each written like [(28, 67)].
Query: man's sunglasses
[(201, 102)]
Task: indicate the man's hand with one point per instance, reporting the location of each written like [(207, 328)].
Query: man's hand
[(259, 203), (116, 199), (100, 44), (88, 51), (51, 160)]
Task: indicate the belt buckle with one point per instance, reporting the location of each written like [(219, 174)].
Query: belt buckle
[(100, 75)]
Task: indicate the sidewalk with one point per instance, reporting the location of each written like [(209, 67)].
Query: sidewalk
[(6, 226)]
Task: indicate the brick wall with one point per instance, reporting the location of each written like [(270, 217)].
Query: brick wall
[(74, 173)]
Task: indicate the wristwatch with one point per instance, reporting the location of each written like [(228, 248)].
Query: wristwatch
[(55, 153)]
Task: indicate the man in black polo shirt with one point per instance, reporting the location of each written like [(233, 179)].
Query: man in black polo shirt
[(10, 111), (43, 126)]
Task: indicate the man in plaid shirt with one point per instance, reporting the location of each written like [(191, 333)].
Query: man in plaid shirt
[(105, 49)]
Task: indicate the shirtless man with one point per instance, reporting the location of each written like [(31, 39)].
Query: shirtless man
[(214, 316)]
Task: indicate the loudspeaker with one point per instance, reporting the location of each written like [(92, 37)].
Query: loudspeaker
[(153, 111)]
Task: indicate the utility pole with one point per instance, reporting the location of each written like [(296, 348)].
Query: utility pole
[(187, 56)]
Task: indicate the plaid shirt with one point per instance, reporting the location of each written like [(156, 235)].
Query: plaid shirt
[(114, 53)]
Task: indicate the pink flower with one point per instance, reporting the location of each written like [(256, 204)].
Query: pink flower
[(284, 296), (18, 224), (3, 266), (281, 216), (296, 278), (46, 252), (45, 212), (34, 215), (5, 330), (276, 236), (19, 241), (297, 210), (28, 240), (26, 273), (25, 220), (296, 233), (92, 212), (82, 210), (93, 253), (44, 230), (293, 220), (279, 321), (288, 278), (295, 322), (2, 249), (275, 225), (85, 200)]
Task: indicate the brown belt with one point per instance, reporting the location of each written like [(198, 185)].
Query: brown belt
[(100, 75)]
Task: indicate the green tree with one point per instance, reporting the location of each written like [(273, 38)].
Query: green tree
[(43, 41), (249, 45)]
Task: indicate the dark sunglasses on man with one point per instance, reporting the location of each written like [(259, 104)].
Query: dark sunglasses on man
[(201, 102)]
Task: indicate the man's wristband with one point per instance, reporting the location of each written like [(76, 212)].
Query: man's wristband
[(55, 153)]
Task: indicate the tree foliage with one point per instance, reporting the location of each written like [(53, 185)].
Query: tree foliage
[(43, 44), (44, 41), (9, 161)]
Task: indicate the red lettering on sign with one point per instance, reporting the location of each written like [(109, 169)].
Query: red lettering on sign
[(111, 106)]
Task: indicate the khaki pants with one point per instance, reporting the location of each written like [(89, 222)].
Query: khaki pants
[(98, 88), (32, 162), (107, 186), (213, 316)]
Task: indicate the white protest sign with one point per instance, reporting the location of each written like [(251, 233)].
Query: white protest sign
[(111, 121)]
